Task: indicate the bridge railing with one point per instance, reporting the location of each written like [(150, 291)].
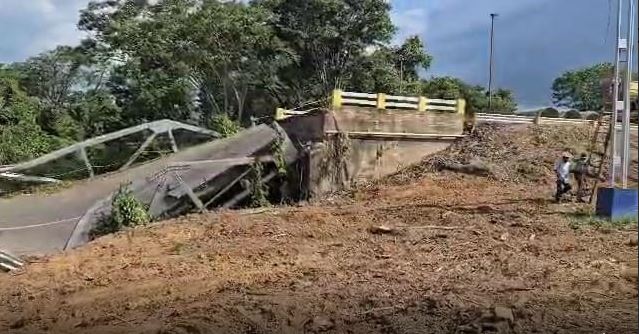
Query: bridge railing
[(383, 102)]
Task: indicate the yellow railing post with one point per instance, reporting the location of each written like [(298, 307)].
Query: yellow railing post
[(423, 104), (381, 101), (461, 106), (337, 98), (279, 114)]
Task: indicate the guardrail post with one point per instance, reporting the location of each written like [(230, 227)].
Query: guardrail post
[(422, 104), (337, 98), (381, 101), (537, 118), (461, 106), (83, 155)]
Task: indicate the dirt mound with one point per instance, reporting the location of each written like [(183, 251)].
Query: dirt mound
[(504, 153), (466, 255), (450, 253)]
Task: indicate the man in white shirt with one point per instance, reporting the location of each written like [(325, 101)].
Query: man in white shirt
[(562, 170)]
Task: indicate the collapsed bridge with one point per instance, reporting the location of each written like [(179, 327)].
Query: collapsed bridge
[(361, 136)]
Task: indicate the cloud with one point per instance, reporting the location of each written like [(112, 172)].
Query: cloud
[(412, 21), (535, 40), (33, 26)]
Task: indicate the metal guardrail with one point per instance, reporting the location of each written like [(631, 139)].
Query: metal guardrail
[(521, 119), (9, 262)]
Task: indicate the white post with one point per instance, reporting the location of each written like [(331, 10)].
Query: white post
[(626, 96), (615, 98), (83, 155), (174, 146)]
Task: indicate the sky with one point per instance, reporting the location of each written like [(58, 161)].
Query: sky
[(535, 40)]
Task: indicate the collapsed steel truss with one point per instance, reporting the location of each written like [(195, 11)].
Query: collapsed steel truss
[(156, 128)]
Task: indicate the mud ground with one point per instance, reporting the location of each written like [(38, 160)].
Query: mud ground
[(439, 253)]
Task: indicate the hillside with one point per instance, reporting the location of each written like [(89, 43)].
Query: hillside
[(426, 250)]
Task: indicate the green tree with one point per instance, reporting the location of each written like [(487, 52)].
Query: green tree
[(503, 102), (64, 82), (573, 114), (391, 70), (581, 89), (21, 137), (187, 60), (476, 96), (329, 36)]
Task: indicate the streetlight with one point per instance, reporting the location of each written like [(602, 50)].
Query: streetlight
[(490, 71)]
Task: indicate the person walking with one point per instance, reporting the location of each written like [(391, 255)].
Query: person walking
[(562, 170)]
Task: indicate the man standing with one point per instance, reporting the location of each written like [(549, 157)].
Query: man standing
[(562, 170), (580, 169)]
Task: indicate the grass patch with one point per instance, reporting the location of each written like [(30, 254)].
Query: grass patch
[(586, 218)]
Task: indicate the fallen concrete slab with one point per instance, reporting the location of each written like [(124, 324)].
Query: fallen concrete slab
[(43, 223), (186, 186)]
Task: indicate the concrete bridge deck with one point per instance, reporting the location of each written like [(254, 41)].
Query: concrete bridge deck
[(43, 222)]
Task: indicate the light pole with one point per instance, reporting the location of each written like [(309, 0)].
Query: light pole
[(630, 31), (490, 66), (615, 99)]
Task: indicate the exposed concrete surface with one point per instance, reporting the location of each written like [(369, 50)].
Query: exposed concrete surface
[(166, 195), (402, 121), (69, 204), (374, 158), (367, 159), (377, 158)]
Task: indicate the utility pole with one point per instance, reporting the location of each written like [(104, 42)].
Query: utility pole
[(626, 95), (615, 100), (401, 74), (491, 65)]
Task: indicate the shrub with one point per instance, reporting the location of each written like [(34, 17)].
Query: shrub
[(126, 211), (259, 190), (592, 117), (224, 125), (573, 114), (550, 112)]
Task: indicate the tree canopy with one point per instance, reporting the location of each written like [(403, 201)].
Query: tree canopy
[(213, 64), (581, 89), (476, 96)]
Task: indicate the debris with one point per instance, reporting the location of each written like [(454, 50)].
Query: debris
[(382, 229), (504, 236), (18, 323), (485, 209), (629, 273), (449, 214), (9, 262), (468, 329), (472, 168), (377, 309), (504, 313), (532, 237), (321, 324), (435, 227), (600, 263)]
